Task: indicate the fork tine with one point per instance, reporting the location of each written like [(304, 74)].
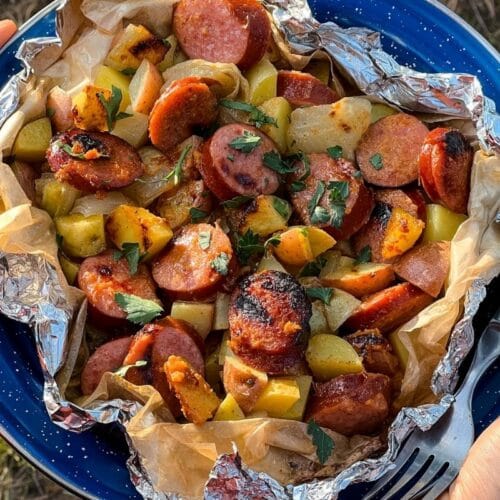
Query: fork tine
[(427, 479), (413, 470), (439, 486), (403, 457)]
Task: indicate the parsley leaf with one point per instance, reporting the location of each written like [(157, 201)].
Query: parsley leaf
[(297, 186), (313, 268), (313, 203), (69, 150), (300, 185), (247, 245), (339, 192), (122, 371), (273, 160), (112, 106), (335, 152), (365, 255), (128, 71), (236, 202), (221, 263), (139, 311), (204, 238), (282, 207), (322, 441), (320, 216), (255, 115), (320, 293), (196, 214), (376, 161), (357, 174), (246, 143), (132, 252), (176, 172)]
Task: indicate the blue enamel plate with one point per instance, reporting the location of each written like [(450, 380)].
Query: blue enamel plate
[(423, 35)]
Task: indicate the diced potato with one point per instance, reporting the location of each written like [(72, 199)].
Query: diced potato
[(224, 350), (135, 44), (318, 323), (33, 141), (145, 87), (245, 383), (107, 78), (58, 198), (212, 371), (133, 129), (266, 214), (88, 111), (341, 306), (70, 269), (279, 109), (403, 231), (332, 263), (221, 321), (270, 263), (381, 111), (320, 68), (198, 400), (442, 224), (319, 240), (101, 203), (198, 314), (399, 349), (278, 397), (294, 247), (329, 356), (296, 411), (316, 128), (128, 224), (168, 61), (82, 236), (263, 80), (229, 410)]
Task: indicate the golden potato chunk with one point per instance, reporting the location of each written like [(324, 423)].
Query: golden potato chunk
[(403, 230), (229, 410), (266, 214), (33, 141), (263, 80), (107, 78), (88, 110), (442, 224), (198, 314), (278, 397), (81, 236), (296, 411)]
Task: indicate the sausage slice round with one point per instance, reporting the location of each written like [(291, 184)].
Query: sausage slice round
[(303, 89), (230, 169), (186, 104), (269, 322), (323, 170), (101, 277), (93, 161), (388, 152), (230, 31), (196, 262)]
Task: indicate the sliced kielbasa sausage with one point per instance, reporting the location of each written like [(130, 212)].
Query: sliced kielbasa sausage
[(106, 358), (324, 170), (230, 31), (101, 277), (356, 403), (233, 162), (397, 198), (303, 89), (196, 263), (186, 104), (93, 161), (388, 151), (269, 322)]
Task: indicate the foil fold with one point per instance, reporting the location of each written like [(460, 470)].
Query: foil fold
[(31, 293)]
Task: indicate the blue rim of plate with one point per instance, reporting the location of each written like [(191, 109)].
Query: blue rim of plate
[(47, 13)]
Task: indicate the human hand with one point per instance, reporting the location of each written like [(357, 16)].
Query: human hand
[(7, 29), (479, 477)]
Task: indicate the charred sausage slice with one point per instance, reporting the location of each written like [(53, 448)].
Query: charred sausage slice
[(230, 31), (303, 89), (93, 161), (229, 171), (269, 322), (388, 152), (196, 262), (357, 403), (185, 105), (101, 277), (324, 170)]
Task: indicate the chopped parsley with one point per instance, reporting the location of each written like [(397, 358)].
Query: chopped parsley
[(376, 161), (176, 173), (335, 152), (273, 160), (128, 71), (246, 143), (322, 441), (204, 238), (300, 185), (122, 371), (321, 293), (338, 194), (247, 245), (236, 202), (313, 268), (138, 310), (316, 198), (255, 115), (365, 255), (196, 214), (357, 174), (112, 106), (221, 263), (230, 157), (282, 207), (131, 252)]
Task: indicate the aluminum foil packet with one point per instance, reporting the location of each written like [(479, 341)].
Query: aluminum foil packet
[(31, 292)]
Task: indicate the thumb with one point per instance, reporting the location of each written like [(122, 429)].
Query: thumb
[(7, 29)]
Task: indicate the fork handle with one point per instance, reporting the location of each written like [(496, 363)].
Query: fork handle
[(487, 351)]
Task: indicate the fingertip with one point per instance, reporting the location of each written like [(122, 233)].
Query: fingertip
[(7, 29)]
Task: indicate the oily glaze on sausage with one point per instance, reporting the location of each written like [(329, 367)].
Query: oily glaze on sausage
[(101, 277), (358, 205), (98, 161), (357, 403), (303, 89), (188, 271), (387, 154), (229, 31), (269, 322), (186, 104), (229, 172)]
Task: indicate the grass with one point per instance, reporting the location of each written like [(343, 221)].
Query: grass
[(18, 479)]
